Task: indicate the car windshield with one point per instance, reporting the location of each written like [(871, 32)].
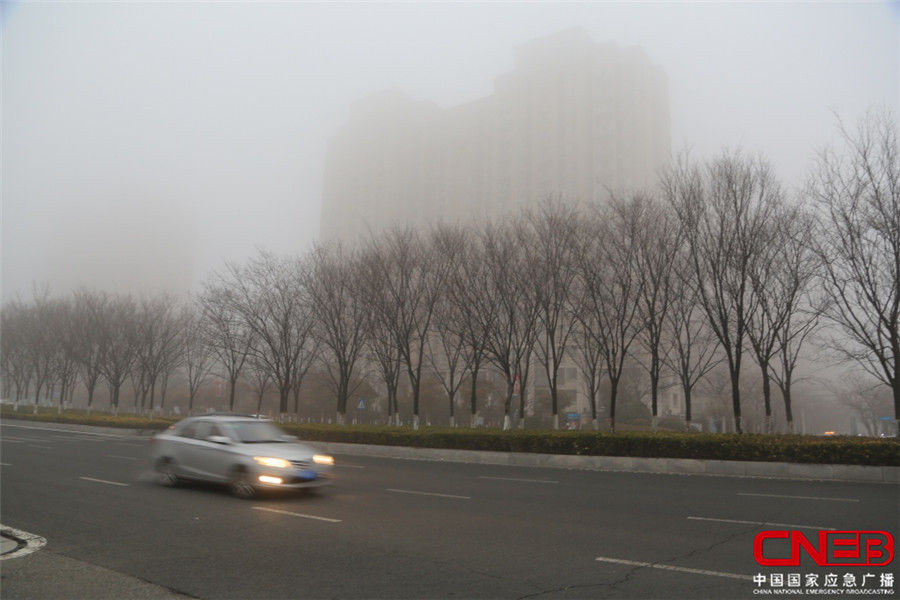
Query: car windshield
[(257, 432)]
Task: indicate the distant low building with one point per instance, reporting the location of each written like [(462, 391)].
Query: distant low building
[(574, 120)]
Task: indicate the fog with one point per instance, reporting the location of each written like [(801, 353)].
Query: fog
[(143, 144)]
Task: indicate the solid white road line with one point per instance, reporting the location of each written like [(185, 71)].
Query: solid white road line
[(293, 514), (767, 523), (636, 563), (33, 542), (517, 479), (800, 497), (428, 494), (104, 481), (65, 430)]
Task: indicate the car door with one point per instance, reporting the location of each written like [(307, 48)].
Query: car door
[(190, 450), (214, 459)]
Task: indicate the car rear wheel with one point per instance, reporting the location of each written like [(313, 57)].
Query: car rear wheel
[(240, 484), (165, 472)]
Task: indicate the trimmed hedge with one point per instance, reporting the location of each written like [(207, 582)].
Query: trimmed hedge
[(709, 446)]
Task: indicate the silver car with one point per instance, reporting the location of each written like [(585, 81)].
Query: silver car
[(246, 453)]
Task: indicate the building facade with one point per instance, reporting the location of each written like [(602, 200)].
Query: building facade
[(574, 120)]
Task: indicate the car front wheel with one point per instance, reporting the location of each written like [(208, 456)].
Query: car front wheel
[(241, 485), (165, 472)]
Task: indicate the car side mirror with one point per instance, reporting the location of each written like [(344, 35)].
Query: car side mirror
[(219, 439)]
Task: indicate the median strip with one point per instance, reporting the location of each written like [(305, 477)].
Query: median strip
[(766, 523), (293, 514), (104, 481), (636, 563), (428, 494)]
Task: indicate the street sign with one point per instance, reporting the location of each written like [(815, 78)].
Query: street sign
[(361, 403)]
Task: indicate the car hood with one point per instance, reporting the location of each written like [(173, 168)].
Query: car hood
[(286, 450)]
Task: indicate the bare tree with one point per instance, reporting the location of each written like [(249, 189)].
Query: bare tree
[(657, 246), (858, 193), (694, 346), (723, 211), (90, 311), (791, 303), (157, 345), (409, 274), (225, 332), (475, 313), (612, 287), (510, 340), (448, 352), (117, 345), (272, 299), (341, 313), (197, 355), (550, 235), (14, 354), (587, 355)]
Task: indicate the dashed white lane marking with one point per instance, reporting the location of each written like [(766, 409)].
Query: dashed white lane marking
[(637, 563), (3, 464), (104, 481), (346, 466), (40, 447), (121, 457), (428, 494), (800, 497), (293, 514), (33, 543), (518, 479), (767, 523)]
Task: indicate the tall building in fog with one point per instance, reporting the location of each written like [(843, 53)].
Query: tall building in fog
[(574, 120)]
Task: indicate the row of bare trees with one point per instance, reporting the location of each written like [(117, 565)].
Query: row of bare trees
[(717, 265)]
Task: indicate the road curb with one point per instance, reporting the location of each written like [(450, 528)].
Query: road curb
[(669, 466), (24, 543)]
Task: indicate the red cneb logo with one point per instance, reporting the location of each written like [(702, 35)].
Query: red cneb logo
[(832, 549)]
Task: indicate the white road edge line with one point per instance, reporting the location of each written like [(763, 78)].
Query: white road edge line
[(636, 563), (293, 514), (428, 494), (768, 523), (66, 431), (104, 481), (799, 497), (517, 479)]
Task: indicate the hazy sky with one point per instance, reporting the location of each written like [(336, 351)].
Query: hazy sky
[(143, 143)]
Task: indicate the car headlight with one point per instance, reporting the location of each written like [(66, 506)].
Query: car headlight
[(323, 459), (268, 461)]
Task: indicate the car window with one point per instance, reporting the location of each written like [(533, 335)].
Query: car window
[(203, 430), (257, 432), (188, 430)]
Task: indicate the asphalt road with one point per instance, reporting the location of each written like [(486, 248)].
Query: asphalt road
[(401, 529)]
